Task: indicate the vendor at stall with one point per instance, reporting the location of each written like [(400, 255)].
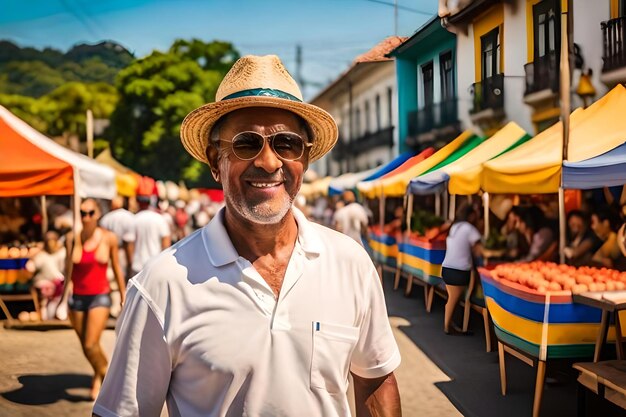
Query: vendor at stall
[(582, 243), (540, 238), (609, 254)]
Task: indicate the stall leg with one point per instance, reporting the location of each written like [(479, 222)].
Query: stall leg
[(601, 339), (541, 373), (396, 281), (502, 368), (468, 304), (488, 336), (619, 347), (409, 285), (429, 298)]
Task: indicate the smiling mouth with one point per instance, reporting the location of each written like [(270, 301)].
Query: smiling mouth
[(256, 184)]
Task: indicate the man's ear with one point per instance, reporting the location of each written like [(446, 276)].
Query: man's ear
[(212, 156)]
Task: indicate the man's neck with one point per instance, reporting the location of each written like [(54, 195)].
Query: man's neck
[(254, 240)]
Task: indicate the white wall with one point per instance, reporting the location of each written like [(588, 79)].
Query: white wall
[(465, 74), (588, 34), (515, 57)]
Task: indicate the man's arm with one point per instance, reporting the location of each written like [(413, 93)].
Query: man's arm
[(377, 397)]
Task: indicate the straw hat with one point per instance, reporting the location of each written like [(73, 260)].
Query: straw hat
[(257, 81)]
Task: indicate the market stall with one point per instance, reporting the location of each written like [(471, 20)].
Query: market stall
[(540, 323), (384, 245), (126, 180), (92, 178)]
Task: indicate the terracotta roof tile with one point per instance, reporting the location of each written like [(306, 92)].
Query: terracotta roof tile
[(378, 52)]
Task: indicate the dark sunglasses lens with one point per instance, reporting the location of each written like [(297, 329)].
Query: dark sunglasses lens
[(288, 146), (247, 145), (87, 213)]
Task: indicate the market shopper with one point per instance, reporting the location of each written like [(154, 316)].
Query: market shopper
[(462, 245), (121, 222), (47, 267), (260, 313), (152, 234), (351, 219), (89, 304)]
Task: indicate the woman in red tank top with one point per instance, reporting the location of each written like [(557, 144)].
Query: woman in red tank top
[(90, 302)]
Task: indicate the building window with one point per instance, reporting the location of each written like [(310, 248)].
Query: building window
[(428, 84), (378, 123), (390, 106), (447, 76), (357, 123), (490, 53), (367, 117), (546, 28)]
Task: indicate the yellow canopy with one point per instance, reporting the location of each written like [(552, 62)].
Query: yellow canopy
[(317, 188), (395, 186), (463, 175), (535, 167), (125, 179)]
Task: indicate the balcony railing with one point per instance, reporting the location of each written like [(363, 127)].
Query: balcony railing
[(488, 94), (383, 137), (433, 117), (613, 35), (344, 150), (543, 74)]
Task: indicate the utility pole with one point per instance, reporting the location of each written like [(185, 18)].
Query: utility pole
[(395, 17), (299, 78), (89, 133)]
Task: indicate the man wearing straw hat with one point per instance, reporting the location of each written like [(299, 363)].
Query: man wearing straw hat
[(260, 313)]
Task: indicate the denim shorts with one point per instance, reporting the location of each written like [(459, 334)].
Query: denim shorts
[(86, 302)]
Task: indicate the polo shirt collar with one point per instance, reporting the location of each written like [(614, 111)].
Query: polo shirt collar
[(221, 250)]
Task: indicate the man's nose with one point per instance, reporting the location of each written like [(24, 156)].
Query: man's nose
[(268, 160)]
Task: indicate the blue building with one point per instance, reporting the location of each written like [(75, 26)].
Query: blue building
[(427, 88)]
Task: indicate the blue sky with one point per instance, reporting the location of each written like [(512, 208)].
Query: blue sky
[(331, 32)]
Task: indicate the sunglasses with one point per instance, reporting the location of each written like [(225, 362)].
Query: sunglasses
[(288, 146), (89, 213)]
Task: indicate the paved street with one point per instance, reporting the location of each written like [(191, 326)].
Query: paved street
[(44, 373)]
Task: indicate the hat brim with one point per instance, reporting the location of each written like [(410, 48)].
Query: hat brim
[(195, 129)]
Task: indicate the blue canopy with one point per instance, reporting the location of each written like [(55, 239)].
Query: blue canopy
[(608, 169), (390, 166)]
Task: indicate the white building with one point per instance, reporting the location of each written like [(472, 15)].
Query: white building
[(363, 101), (508, 55)]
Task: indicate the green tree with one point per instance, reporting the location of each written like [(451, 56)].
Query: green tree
[(156, 93)]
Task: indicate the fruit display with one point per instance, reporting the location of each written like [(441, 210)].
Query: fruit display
[(544, 277), (427, 226)]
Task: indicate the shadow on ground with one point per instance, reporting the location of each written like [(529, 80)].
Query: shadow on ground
[(48, 389)]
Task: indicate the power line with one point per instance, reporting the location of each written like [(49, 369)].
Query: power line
[(408, 9)]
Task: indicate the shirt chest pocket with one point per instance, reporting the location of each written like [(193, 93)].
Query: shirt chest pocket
[(332, 349)]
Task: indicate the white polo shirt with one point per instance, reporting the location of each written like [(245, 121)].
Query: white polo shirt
[(202, 331)]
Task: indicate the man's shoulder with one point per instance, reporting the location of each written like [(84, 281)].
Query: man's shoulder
[(175, 262), (337, 244)]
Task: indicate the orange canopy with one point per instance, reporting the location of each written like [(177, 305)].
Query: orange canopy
[(26, 170)]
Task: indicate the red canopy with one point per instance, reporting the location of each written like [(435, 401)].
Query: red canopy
[(26, 170)]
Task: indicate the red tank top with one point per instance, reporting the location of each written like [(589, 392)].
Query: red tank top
[(90, 276)]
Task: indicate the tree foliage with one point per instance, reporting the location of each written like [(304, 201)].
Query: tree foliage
[(156, 93)]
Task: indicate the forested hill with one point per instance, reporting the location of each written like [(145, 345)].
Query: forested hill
[(32, 72)]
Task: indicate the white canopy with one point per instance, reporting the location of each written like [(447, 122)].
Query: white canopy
[(93, 180)]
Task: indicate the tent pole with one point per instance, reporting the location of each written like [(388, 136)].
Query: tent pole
[(452, 212), (562, 225), (446, 197), (409, 213), (486, 214), (438, 204), (44, 215)]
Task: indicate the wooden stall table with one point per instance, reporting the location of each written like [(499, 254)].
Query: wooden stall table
[(605, 378), (611, 303)]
